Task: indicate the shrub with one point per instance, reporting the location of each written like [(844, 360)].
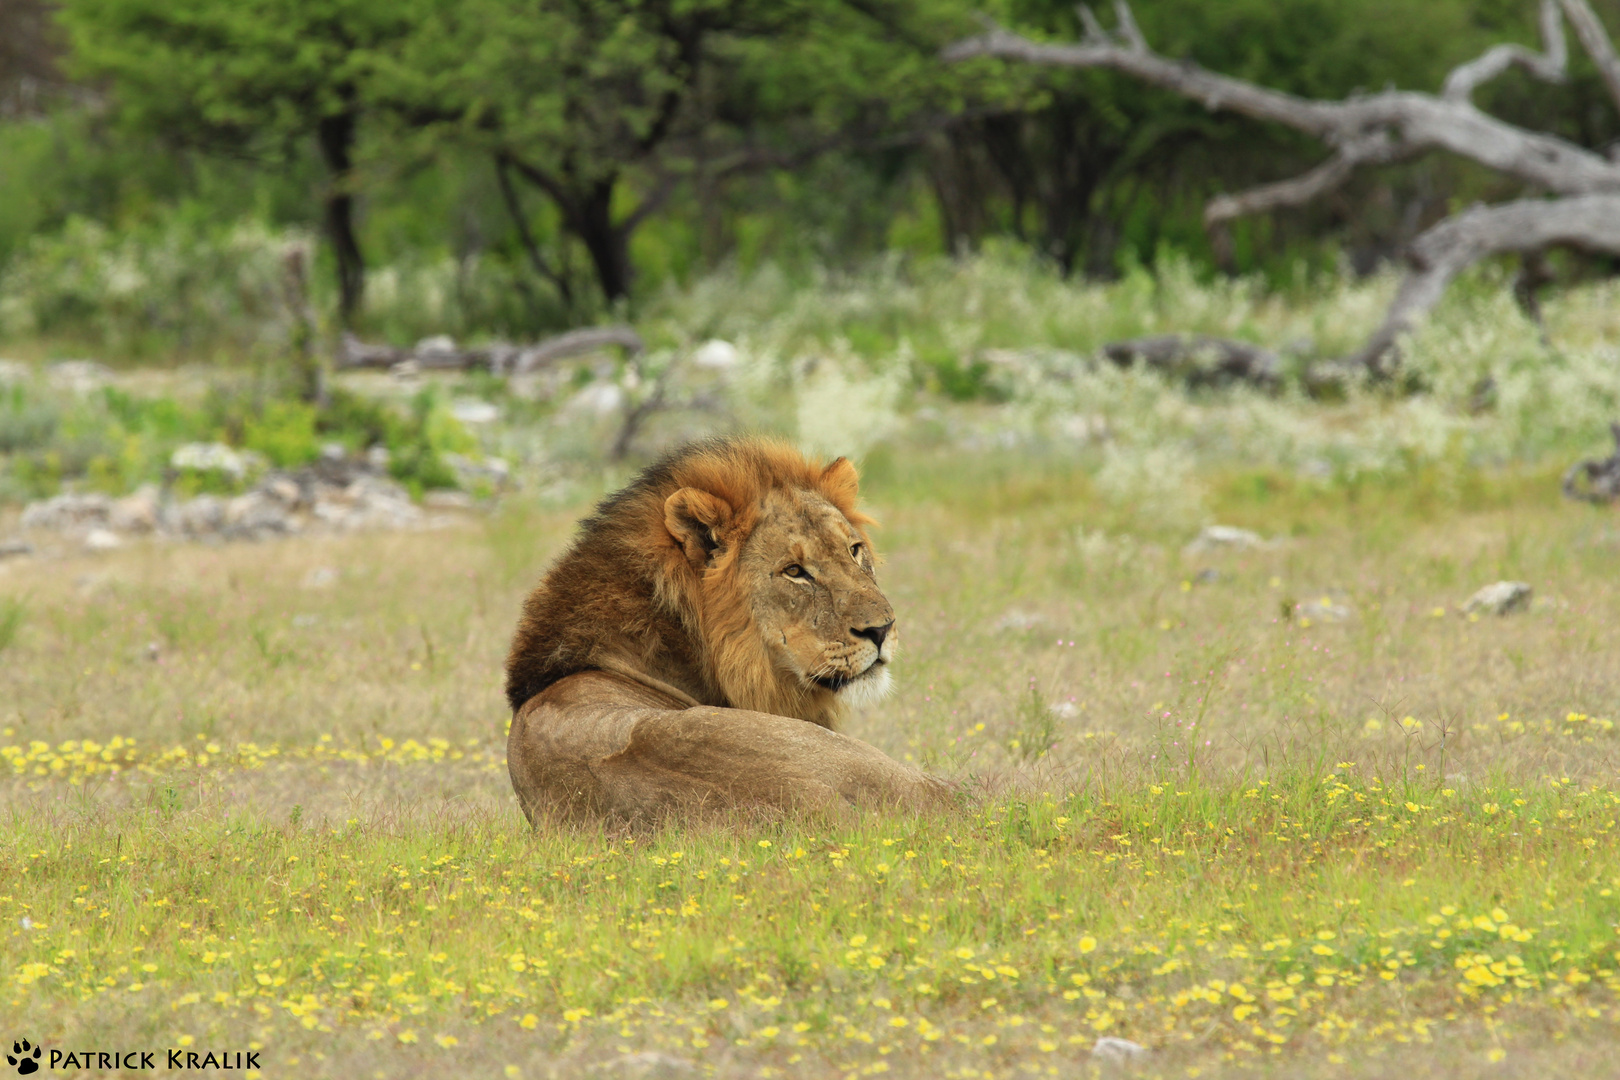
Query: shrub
[(26, 421), (284, 432)]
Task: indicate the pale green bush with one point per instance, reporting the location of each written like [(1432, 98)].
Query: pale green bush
[(148, 290), (848, 360), (178, 288)]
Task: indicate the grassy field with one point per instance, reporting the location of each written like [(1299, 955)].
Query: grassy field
[(1283, 810)]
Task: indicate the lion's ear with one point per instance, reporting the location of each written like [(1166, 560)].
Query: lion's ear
[(841, 483), (696, 519)]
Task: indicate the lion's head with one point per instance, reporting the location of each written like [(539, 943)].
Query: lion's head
[(736, 571)]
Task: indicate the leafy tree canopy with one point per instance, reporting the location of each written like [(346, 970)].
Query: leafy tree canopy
[(607, 105), (248, 78)]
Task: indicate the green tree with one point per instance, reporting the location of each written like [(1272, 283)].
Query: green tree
[(1088, 159), (607, 106), (247, 78)]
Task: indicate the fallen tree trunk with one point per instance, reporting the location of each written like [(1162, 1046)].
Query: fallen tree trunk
[(500, 358), (1391, 126), (1199, 360), (1601, 478), (1591, 222)]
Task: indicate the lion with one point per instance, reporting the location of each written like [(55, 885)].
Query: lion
[(697, 644)]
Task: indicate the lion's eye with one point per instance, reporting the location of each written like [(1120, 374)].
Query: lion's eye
[(855, 552), (795, 571)]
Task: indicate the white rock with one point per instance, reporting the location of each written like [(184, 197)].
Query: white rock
[(198, 517), (1324, 609), (716, 355), (255, 514), (13, 371), (370, 502), (137, 513), (447, 500), (470, 470), (14, 547), (648, 1065), (101, 540), (602, 398), (1118, 1051), (284, 490), (1225, 538), (1500, 598), (471, 411), (210, 457), (65, 513)]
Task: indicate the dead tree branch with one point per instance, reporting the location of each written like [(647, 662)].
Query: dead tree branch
[(1199, 360), (498, 357), (1390, 126), (1601, 477), (1550, 65), (1417, 122), (1376, 149), (1591, 222), (575, 343)]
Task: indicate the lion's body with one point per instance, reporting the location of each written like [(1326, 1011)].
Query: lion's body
[(697, 643)]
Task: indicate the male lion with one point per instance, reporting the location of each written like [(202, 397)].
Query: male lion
[(695, 645)]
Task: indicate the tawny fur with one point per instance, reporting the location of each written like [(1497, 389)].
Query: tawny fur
[(646, 669), (628, 592)]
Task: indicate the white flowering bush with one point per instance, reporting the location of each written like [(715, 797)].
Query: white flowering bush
[(1481, 385), (993, 351), (177, 287), (170, 285)]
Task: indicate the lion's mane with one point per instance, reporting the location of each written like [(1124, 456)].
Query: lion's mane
[(626, 598)]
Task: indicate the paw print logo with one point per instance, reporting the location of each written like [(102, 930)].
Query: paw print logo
[(25, 1057)]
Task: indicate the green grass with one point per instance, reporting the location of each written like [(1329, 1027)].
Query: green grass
[(1199, 817), (12, 612), (1224, 922)]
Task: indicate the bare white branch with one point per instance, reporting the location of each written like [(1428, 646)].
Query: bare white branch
[(1129, 32), (1590, 222), (1419, 121), (1595, 40), (499, 357), (1376, 149), (1094, 31), (1390, 126), (1550, 65)]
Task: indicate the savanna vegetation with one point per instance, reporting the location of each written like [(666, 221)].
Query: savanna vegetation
[(1283, 808), (1277, 805)]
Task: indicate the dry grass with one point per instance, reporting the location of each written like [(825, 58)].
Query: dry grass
[(1180, 770)]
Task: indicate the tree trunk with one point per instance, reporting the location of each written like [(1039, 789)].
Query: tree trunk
[(608, 243), (537, 260), (336, 135)]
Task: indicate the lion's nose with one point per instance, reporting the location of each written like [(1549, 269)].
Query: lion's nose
[(874, 634)]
